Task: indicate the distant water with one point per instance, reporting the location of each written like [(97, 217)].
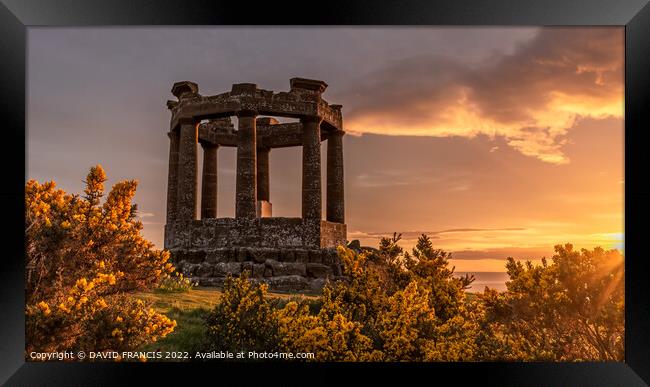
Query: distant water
[(492, 279)]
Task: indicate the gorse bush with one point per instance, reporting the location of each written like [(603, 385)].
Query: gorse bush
[(175, 283), (570, 309), (83, 257), (244, 319), (401, 306)]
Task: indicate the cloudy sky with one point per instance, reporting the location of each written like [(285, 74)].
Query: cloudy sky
[(495, 142)]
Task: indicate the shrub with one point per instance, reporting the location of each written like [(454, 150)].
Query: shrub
[(244, 319), (175, 283), (396, 306), (328, 334), (570, 309), (82, 258)]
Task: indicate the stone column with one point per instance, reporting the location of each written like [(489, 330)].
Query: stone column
[(335, 190), (246, 190), (263, 178), (188, 170), (209, 182), (311, 174), (172, 176)]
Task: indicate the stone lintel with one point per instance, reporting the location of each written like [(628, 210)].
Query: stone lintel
[(268, 135), (282, 104), (267, 121)]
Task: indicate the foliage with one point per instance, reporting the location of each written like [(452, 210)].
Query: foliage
[(406, 324), (175, 283), (571, 309), (244, 318), (401, 306), (82, 259), (329, 334)]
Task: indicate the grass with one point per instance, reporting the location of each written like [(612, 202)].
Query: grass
[(189, 309)]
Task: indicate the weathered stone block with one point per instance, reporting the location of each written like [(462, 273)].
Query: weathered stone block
[(302, 256), (337, 270), (286, 268), (192, 256), (180, 266), (205, 270), (258, 270), (260, 255), (219, 255), (290, 283), (189, 269), (330, 256), (211, 281), (317, 284), (287, 256), (318, 270), (315, 256), (242, 255), (222, 269)]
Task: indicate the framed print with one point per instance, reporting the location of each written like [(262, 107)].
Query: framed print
[(223, 189)]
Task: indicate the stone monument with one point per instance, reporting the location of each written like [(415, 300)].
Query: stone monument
[(289, 254)]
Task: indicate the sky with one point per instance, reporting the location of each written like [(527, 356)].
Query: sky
[(495, 142)]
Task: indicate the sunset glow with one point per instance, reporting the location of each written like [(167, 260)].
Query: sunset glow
[(495, 142)]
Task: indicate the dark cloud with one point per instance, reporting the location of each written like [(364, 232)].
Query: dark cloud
[(531, 253), (531, 96), (410, 235)]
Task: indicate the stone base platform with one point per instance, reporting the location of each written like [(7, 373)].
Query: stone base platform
[(287, 270)]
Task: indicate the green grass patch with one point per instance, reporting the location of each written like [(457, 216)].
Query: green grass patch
[(189, 309)]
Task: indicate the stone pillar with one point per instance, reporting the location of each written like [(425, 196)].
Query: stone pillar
[(246, 190), (209, 182), (335, 189), (188, 170), (263, 178), (172, 176), (311, 174)]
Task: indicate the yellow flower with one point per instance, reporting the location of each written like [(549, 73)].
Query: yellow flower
[(64, 308), (44, 307)]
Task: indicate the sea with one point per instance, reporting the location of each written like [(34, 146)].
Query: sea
[(492, 279)]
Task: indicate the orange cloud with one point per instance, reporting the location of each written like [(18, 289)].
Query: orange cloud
[(531, 97)]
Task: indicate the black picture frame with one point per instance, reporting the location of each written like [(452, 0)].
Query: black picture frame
[(17, 15)]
